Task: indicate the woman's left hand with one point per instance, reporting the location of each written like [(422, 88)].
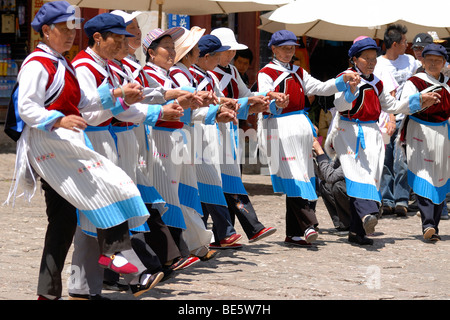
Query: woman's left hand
[(71, 122)]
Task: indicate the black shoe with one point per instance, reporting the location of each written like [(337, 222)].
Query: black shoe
[(114, 286), (413, 207), (138, 289), (386, 210), (401, 211), (354, 238), (168, 273), (435, 237), (76, 296)]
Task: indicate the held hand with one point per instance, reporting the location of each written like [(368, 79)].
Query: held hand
[(281, 99), (352, 78), (189, 100), (208, 97), (430, 98), (229, 103), (226, 115), (71, 122), (258, 104), (133, 93), (172, 112)]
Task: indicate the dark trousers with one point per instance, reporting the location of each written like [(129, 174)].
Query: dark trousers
[(145, 252), (337, 202), (181, 244), (222, 226), (300, 215), (160, 239), (239, 206), (430, 213), (114, 239), (62, 223), (360, 208)]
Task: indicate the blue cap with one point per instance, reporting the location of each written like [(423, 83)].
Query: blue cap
[(361, 45), (283, 38), (54, 12), (107, 22), (435, 49), (209, 43)]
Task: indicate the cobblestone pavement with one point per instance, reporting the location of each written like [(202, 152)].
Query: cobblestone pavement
[(400, 265)]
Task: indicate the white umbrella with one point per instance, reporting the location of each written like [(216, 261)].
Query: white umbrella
[(188, 7), (334, 20)]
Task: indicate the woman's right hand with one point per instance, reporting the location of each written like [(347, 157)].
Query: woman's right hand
[(430, 98)]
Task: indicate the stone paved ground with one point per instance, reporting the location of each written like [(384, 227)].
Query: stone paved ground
[(400, 265)]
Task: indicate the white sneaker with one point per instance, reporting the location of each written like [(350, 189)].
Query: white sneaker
[(311, 235), (369, 222)]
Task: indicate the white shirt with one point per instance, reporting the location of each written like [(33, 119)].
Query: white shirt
[(394, 73)]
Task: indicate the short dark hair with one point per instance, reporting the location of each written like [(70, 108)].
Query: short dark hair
[(91, 41), (246, 54), (393, 34)]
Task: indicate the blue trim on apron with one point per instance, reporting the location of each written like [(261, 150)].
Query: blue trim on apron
[(434, 124), (292, 113), (360, 138)]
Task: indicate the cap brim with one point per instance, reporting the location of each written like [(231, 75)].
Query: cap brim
[(65, 18), (120, 31), (285, 43), (434, 53), (238, 46), (222, 48)]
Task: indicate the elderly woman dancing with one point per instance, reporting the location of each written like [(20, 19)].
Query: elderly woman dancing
[(357, 140), (54, 147), (286, 135), (427, 137)]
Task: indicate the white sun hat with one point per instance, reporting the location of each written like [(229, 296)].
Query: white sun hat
[(125, 15), (187, 41), (227, 38)]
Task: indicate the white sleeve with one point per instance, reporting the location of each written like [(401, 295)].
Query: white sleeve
[(341, 103), (408, 104), (317, 87), (265, 83), (33, 78)]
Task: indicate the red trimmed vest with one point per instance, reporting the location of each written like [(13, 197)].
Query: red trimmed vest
[(69, 97), (367, 106), (437, 112), (290, 85), (98, 76), (232, 89)]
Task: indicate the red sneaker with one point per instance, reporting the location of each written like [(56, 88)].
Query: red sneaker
[(183, 263), (218, 246), (262, 234), (108, 262), (230, 240), (300, 242)]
